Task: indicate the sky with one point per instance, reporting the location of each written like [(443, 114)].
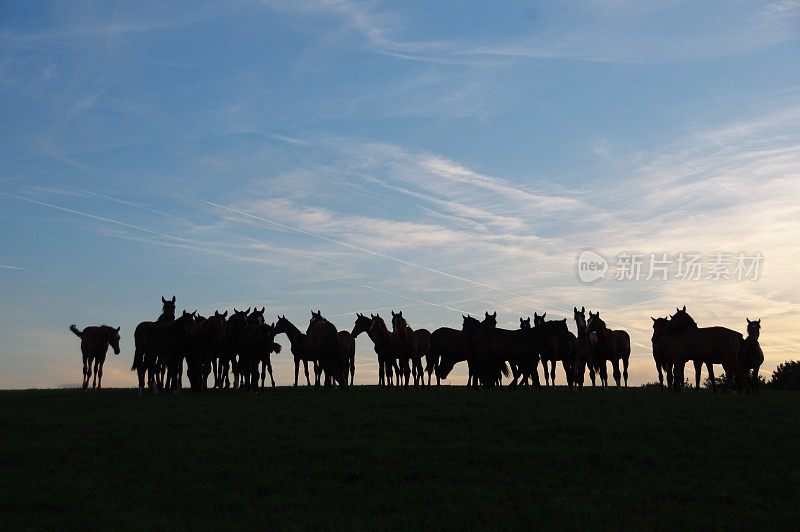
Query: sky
[(440, 158)]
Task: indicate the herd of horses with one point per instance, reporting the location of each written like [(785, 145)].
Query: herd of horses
[(235, 351)]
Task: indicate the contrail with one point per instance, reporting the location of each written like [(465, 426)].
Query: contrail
[(8, 267), (95, 217), (378, 254)]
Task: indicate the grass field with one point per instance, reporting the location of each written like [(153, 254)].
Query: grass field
[(372, 458)]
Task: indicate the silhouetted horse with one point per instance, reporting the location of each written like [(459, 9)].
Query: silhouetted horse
[(684, 341), (256, 344), (299, 346), (585, 344), (611, 346), (661, 359), (382, 341), (406, 348), (491, 350), (166, 350), (751, 354), (323, 341), (559, 346), (94, 346), (423, 351), (228, 359), (206, 343), (448, 347), (347, 345), (145, 337)]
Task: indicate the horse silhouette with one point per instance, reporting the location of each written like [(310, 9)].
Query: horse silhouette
[(612, 346), (323, 341), (347, 345), (206, 343), (492, 350), (256, 344), (684, 341), (411, 346), (447, 348), (660, 326), (382, 342), (585, 345), (558, 347), (751, 354), (299, 346), (95, 341), (146, 339)]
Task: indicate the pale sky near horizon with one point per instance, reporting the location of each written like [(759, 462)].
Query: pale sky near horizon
[(439, 158)]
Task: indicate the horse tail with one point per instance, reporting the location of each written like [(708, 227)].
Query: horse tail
[(76, 331)]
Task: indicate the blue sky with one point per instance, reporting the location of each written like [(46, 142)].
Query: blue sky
[(355, 156)]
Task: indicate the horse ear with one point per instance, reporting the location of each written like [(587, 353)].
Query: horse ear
[(543, 315), (758, 321), (495, 314), (225, 314), (652, 318), (118, 328), (684, 308), (173, 299), (575, 310), (748, 320), (583, 309), (163, 300)]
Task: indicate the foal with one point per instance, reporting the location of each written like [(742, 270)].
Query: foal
[(94, 346)]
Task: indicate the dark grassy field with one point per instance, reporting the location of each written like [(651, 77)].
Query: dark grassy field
[(371, 458)]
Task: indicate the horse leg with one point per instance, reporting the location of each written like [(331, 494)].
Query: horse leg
[(269, 369), (591, 374), (617, 374), (100, 375), (711, 377), (352, 370), (296, 370), (678, 375), (94, 375), (86, 370), (263, 372), (305, 368), (698, 372), (553, 371)]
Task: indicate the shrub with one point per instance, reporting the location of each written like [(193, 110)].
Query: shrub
[(786, 376)]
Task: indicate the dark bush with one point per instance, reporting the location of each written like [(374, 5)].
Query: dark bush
[(786, 376)]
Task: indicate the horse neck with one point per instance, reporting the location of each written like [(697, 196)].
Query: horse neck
[(379, 335), (293, 333)]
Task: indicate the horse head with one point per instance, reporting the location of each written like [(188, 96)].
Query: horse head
[(256, 317), (580, 319), (660, 326), (362, 324), (753, 328), (681, 320), (538, 320), (595, 323), (113, 339), (490, 320), (525, 323), (167, 309)]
